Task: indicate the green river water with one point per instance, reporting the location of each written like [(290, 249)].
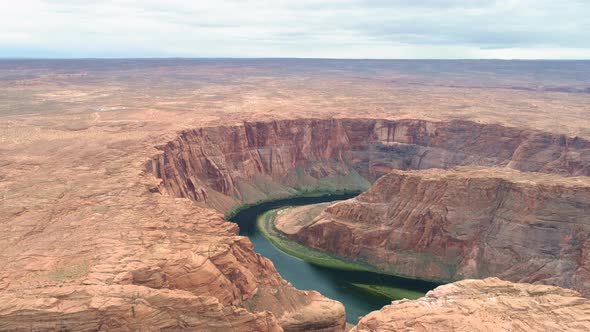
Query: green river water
[(360, 291)]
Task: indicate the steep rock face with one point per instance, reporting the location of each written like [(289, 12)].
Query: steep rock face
[(484, 305), (222, 167), (467, 222)]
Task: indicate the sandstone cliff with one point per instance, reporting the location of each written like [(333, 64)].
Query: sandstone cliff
[(222, 167), (484, 305), (468, 222)]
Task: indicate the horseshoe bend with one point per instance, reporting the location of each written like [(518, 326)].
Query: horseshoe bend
[(118, 179)]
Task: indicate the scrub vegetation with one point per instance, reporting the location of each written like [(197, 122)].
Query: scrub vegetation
[(265, 224)]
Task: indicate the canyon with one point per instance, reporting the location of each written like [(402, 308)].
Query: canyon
[(115, 176), (223, 167), (518, 212)]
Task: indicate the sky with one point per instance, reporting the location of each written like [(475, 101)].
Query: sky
[(377, 29)]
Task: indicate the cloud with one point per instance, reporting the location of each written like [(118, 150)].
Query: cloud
[(296, 28)]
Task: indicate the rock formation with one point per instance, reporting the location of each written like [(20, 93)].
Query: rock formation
[(124, 308), (90, 241), (223, 167), (467, 222), (484, 305), (188, 270), (148, 248)]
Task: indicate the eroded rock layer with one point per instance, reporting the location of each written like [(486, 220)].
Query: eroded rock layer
[(467, 222), (484, 305), (222, 167), (118, 260), (87, 242), (155, 263)]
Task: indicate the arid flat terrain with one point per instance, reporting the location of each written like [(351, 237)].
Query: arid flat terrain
[(91, 239)]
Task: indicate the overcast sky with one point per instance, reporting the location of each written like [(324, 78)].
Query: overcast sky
[(532, 29)]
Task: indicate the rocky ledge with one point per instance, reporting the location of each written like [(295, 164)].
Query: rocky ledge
[(467, 222), (484, 305)]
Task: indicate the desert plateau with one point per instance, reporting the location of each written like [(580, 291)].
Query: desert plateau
[(409, 195)]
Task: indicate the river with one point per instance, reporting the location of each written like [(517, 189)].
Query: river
[(332, 283)]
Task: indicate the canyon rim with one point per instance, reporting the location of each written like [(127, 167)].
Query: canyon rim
[(116, 174)]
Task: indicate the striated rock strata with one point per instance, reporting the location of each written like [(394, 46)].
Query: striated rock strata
[(86, 244), (467, 222), (484, 305), (223, 167), (187, 271)]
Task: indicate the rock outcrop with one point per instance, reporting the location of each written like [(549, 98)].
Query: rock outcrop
[(124, 308), (484, 305), (222, 167), (467, 222), (187, 271)]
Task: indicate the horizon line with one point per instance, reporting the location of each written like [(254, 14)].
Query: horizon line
[(285, 58)]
